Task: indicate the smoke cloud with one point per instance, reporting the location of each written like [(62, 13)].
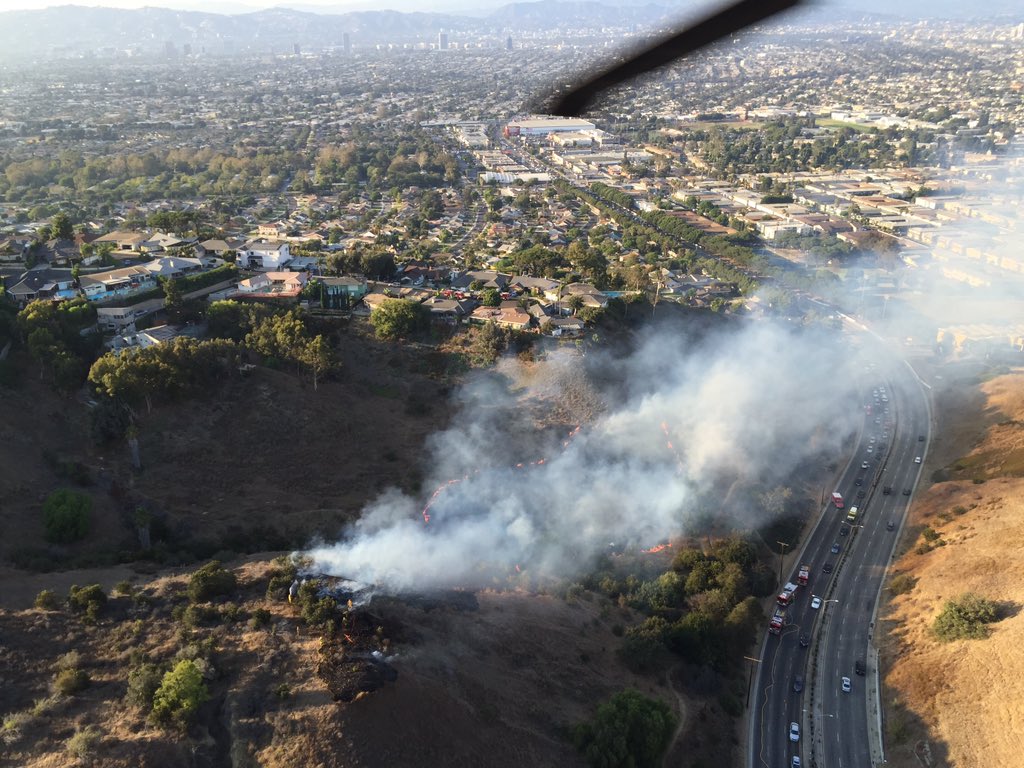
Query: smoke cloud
[(684, 419)]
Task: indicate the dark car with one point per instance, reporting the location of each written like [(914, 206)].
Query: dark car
[(920, 438), (859, 481), (844, 530), (890, 526), (827, 568), (804, 641), (835, 548), (859, 667), (906, 491), (861, 493), (887, 490), (798, 684)]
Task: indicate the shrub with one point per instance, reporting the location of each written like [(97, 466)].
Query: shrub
[(211, 581), (123, 588), (67, 516), (89, 600), (965, 618), (628, 730), (47, 600), (70, 681), (902, 583), (83, 744), (260, 618), (143, 682), (181, 693)]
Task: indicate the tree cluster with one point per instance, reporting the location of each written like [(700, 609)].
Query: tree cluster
[(52, 333), (629, 730)]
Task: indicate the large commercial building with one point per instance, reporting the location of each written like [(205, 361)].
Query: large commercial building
[(544, 125)]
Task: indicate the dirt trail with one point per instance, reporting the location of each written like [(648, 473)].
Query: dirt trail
[(681, 710)]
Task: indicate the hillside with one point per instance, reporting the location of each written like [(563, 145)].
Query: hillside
[(262, 464), (960, 703), (491, 681)]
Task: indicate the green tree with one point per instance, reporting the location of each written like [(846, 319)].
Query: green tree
[(67, 516), (181, 693), (318, 357), (490, 297), (965, 618), (628, 731), (399, 318), (61, 227), (173, 298), (212, 580)]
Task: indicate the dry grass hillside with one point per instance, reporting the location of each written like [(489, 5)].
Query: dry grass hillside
[(495, 680), (962, 703)]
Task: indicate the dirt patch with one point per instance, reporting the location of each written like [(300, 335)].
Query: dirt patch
[(962, 703)]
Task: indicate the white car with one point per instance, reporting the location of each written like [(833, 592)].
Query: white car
[(816, 602), (796, 762), (864, 464), (917, 460), (794, 732), (846, 685)]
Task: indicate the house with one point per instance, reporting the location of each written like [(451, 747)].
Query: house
[(508, 317), (263, 254), (488, 278), (163, 242), (527, 284), (127, 281), (344, 288), (43, 283), (150, 337), (274, 285), (590, 296), (449, 310), (219, 247), (173, 266), (60, 251), (566, 326), (273, 229), (123, 241)]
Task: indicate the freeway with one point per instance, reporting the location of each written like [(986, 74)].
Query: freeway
[(840, 729)]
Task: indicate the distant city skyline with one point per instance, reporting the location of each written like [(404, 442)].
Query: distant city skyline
[(909, 8)]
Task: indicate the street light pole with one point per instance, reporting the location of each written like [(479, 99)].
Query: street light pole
[(782, 557)]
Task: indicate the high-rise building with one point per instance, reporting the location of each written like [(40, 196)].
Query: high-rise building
[(508, 43), (296, 49), (442, 41), (346, 43)]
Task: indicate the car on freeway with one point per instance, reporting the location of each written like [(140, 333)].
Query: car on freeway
[(859, 668), (887, 490), (859, 481), (798, 684), (805, 640), (835, 548), (920, 438), (846, 685), (794, 731), (796, 762), (844, 530), (890, 526), (861, 493), (869, 450), (906, 491), (826, 568), (816, 602), (917, 459), (864, 464)]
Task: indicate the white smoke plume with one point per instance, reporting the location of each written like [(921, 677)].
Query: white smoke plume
[(747, 404)]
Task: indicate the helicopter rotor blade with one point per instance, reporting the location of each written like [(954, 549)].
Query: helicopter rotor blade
[(725, 22)]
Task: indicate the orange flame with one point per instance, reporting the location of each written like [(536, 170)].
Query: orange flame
[(657, 548)]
